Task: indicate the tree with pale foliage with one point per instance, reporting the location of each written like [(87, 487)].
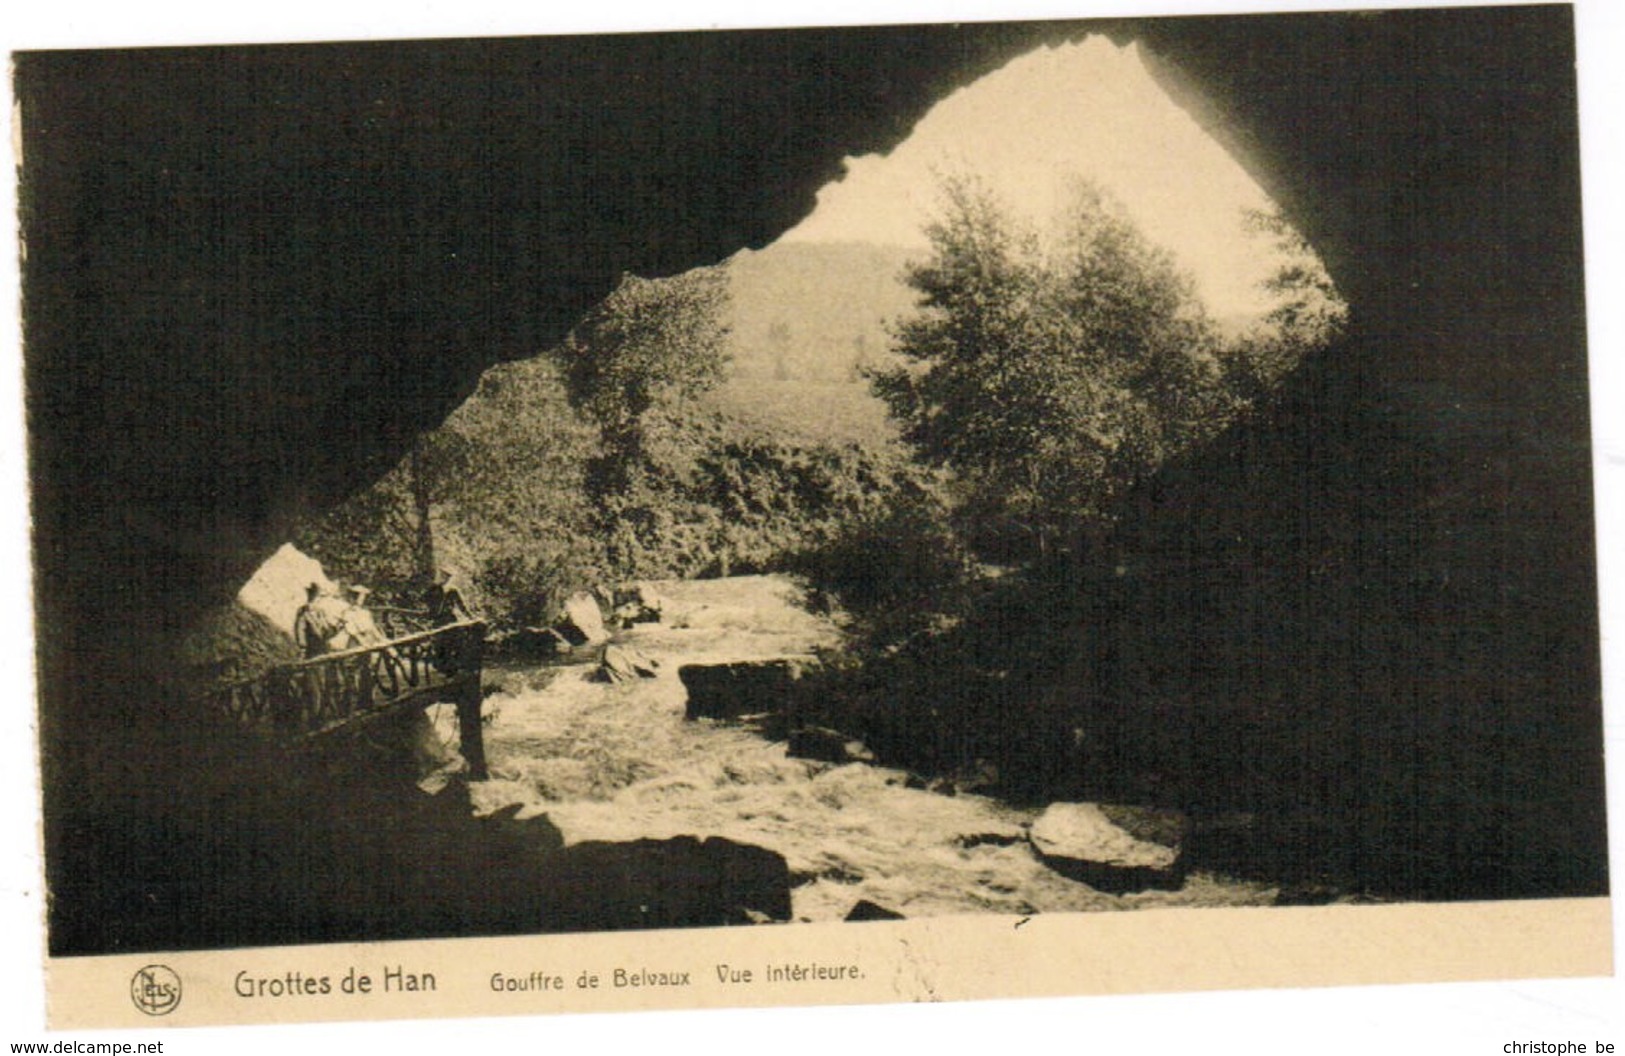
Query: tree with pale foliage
[(1050, 373), (1308, 313), (650, 343)]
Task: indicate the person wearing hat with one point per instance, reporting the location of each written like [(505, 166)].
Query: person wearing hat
[(319, 620), (446, 604), (358, 624)]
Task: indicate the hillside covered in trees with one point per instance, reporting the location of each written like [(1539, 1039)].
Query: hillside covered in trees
[(645, 447), (991, 399)]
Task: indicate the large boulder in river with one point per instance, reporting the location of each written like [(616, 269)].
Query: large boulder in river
[(277, 589), (622, 663), (230, 642), (581, 622), (751, 687), (1115, 849)]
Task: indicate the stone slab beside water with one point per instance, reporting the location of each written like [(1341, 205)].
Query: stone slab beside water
[(752, 687), (1116, 849)]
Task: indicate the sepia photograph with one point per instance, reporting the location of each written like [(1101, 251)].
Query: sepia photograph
[(673, 518)]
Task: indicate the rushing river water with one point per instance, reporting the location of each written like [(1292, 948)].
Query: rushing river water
[(620, 762)]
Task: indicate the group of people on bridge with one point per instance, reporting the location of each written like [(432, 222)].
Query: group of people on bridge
[(334, 619)]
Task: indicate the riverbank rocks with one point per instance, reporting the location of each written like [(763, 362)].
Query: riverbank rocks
[(637, 603), (825, 745), (622, 663), (581, 621), (751, 687), (227, 643), (864, 909), (276, 591), (683, 882), (1114, 849)]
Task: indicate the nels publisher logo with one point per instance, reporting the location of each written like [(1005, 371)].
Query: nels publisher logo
[(156, 990)]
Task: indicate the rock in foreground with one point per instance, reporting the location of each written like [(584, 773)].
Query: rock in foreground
[(638, 603), (1112, 848), (867, 910), (683, 882)]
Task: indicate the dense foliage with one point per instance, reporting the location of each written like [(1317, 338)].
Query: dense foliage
[(650, 346), (1050, 373), (504, 476), (606, 461), (1041, 376), (1046, 374)]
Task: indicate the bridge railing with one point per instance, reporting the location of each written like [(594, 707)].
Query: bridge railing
[(311, 698)]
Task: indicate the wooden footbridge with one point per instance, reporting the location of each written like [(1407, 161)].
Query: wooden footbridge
[(302, 702)]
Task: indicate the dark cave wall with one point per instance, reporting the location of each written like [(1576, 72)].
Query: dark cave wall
[(253, 274), (1383, 591)]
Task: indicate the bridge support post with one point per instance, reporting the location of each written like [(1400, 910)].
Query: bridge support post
[(471, 729)]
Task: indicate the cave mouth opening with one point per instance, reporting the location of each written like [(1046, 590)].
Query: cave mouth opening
[(1093, 110), (1050, 142)]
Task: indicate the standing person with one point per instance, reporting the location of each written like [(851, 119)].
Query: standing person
[(319, 621), (358, 623), (446, 603), (446, 607)]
